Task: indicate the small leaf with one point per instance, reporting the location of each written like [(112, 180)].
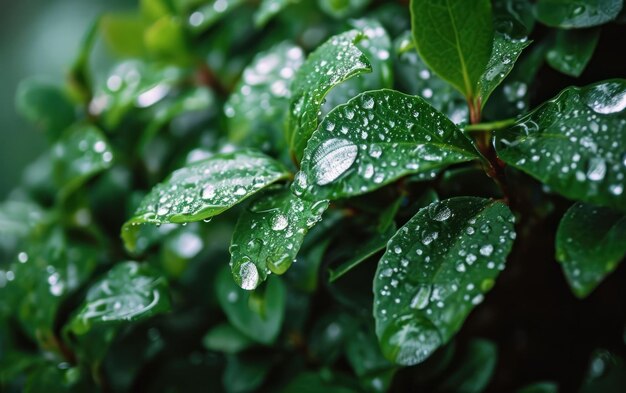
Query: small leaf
[(262, 327), (128, 292), (540, 387), (269, 234), (572, 50), (123, 34), (340, 9), (436, 269), (256, 110), (475, 370), (574, 143), (454, 37), (590, 245), (333, 62), (81, 152), (210, 13), (204, 189), (245, 373), (225, 338), (374, 139), (577, 13), (504, 54), (270, 8)]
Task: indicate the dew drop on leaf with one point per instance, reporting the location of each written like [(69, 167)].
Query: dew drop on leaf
[(332, 159)]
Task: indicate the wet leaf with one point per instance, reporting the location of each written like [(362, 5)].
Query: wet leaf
[(340, 9), (454, 37), (374, 139), (128, 292), (257, 108), (574, 143), (204, 189), (572, 50), (210, 13), (504, 54), (436, 269), (18, 218), (333, 62), (590, 245), (81, 152), (577, 13), (270, 8), (262, 327), (269, 234)]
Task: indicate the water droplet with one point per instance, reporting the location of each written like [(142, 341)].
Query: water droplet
[(422, 297), (249, 275), (368, 103), (486, 250), (208, 192), (607, 98), (439, 212), (279, 264), (332, 159), (279, 222), (597, 169)]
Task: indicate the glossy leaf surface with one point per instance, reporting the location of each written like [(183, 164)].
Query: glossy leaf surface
[(572, 50), (577, 13), (436, 269)]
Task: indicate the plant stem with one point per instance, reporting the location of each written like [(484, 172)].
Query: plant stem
[(491, 126)]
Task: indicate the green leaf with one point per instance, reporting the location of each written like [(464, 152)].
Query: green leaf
[(504, 54), (204, 189), (269, 234), (340, 9), (374, 139), (574, 143), (333, 62), (128, 292), (245, 373), (514, 17), (45, 105), (310, 382), (454, 37), (81, 152), (262, 327), (436, 269), (19, 218), (590, 245), (256, 110), (572, 50), (165, 38), (123, 34), (208, 14), (540, 387), (577, 13), (225, 338), (475, 370), (270, 8), (419, 80)]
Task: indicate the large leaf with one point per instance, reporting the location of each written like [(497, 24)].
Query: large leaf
[(454, 37), (575, 143), (269, 234), (577, 13), (436, 269), (590, 243), (572, 50), (505, 52), (256, 110), (204, 189), (128, 292), (374, 139), (264, 322), (335, 61)]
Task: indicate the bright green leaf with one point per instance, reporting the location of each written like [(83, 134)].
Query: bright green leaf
[(590, 244), (574, 143), (333, 62), (572, 50), (269, 234), (256, 110), (123, 34), (128, 292), (454, 37), (261, 326), (503, 56), (577, 13), (204, 189), (374, 139), (436, 269)]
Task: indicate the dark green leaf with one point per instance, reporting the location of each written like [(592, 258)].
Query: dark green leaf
[(204, 189), (261, 325), (590, 244), (269, 234), (227, 339), (572, 50), (309, 382), (363, 353), (514, 17), (574, 143), (475, 370), (270, 8), (454, 37), (257, 108), (436, 269), (577, 13), (128, 292), (374, 139), (210, 13), (606, 374), (335, 61), (342, 8), (540, 387), (81, 152), (46, 105), (244, 374), (503, 57)]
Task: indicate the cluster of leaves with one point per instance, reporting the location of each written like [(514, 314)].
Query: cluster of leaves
[(323, 133)]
